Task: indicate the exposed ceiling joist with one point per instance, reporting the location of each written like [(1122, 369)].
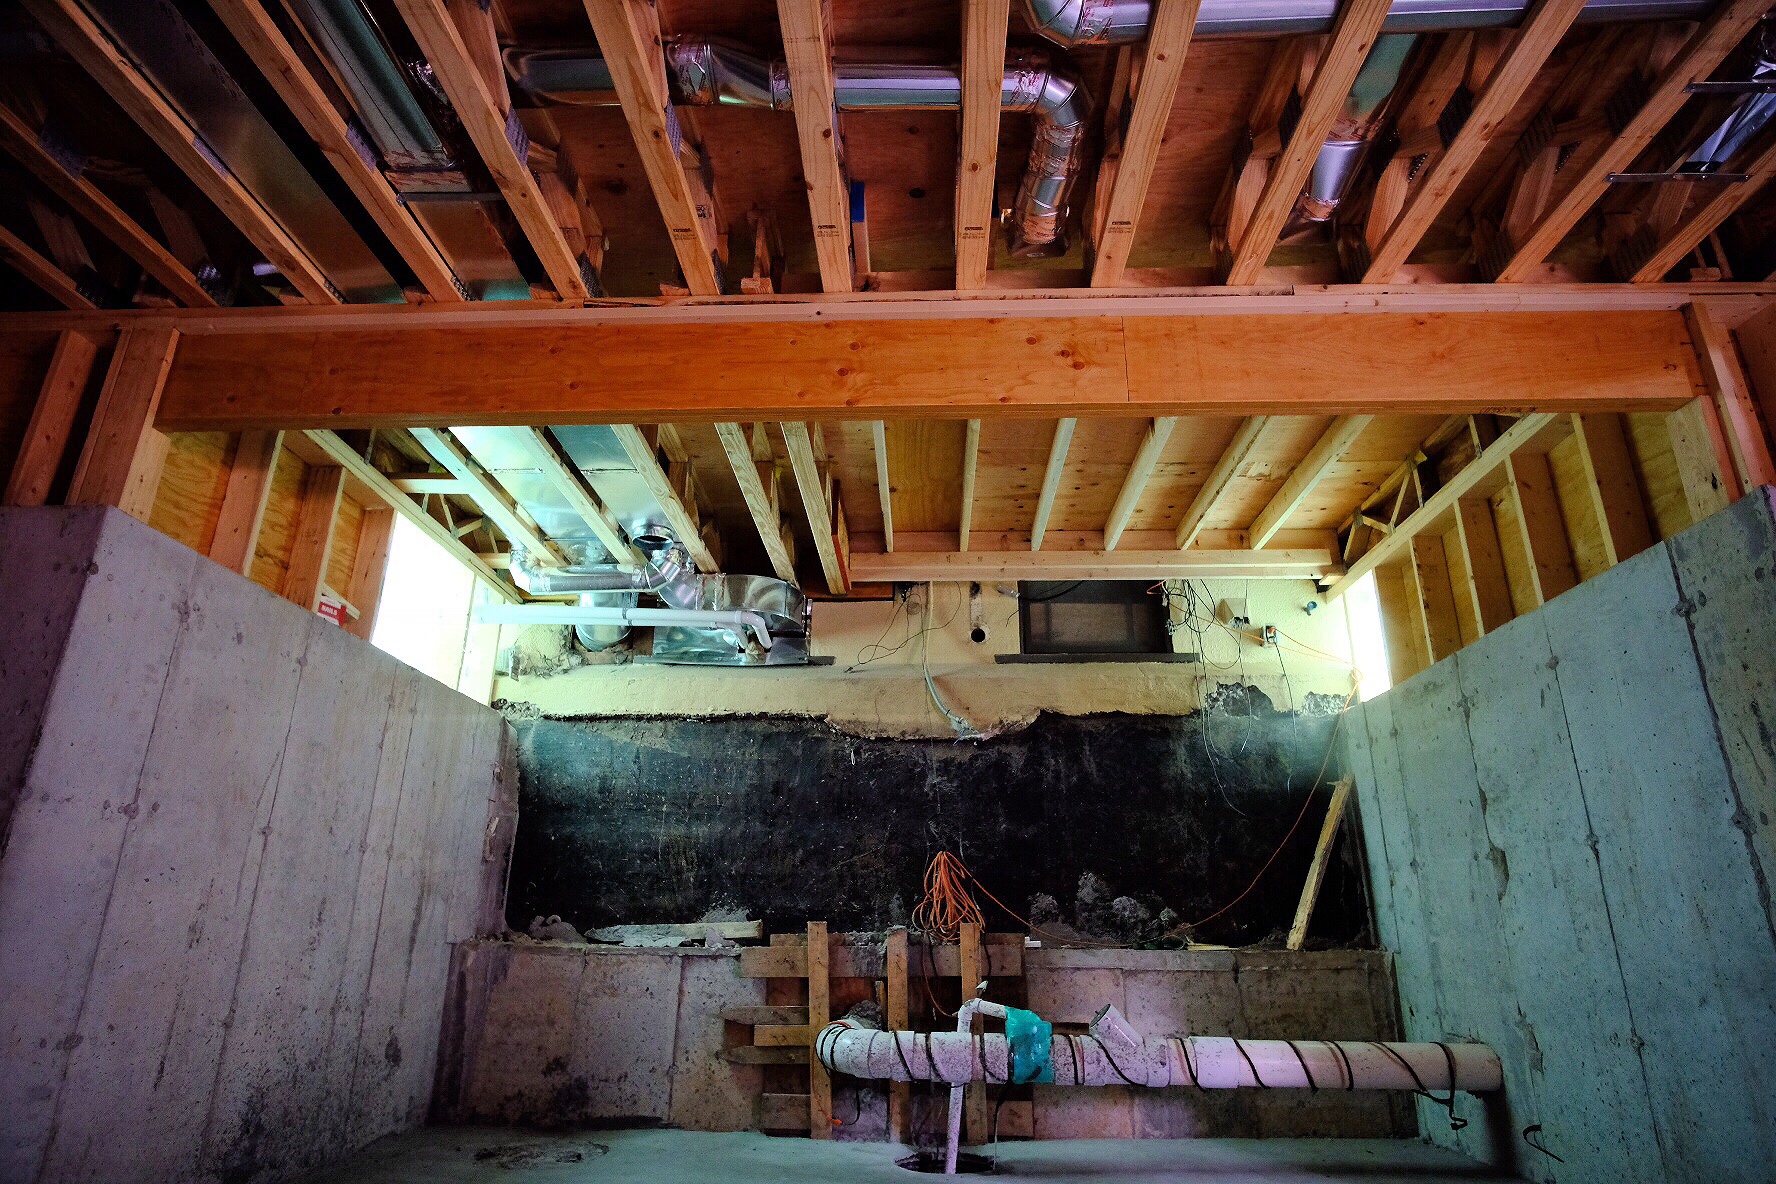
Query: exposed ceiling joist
[(1051, 480), (489, 498), (970, 473), (798, 442), (884, 486), (984, 24), (807, 49), (681, 518), (1306, 475), (1159, 432), (766, 514), (572, 487), (1706, 218), (1011, 559), (1233, 459)]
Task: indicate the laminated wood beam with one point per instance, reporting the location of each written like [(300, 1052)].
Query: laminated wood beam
[(970, 467), (984, 24), (488, 497), (1051, 480), (244, 501), (1233, 459), (1135, 481), (124, 454), (807, 51), (90, 202), (51, 427), (1718, 36), (252, 26), (1530, 49), (629, 35), (1168, 43), (759, 504), (317, 522), (799, 444), (488, 121), (1305, 476), (30, 263), (1353, 36), (89, 45)]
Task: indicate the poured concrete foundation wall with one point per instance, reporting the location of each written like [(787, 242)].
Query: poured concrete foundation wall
[(237, 846), (1571, 826), (562, 1035)]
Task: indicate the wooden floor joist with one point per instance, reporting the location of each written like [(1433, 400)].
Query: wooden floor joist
[(1233, 458), (50, 431), (762, 507), (124, 454), (1051, 480), (807, 48), (984, 24), (1153, 444)]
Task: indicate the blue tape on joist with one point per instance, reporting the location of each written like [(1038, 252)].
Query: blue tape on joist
[(857, 201)]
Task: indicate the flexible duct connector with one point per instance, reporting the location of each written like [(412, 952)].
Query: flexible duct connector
[(709, 73)]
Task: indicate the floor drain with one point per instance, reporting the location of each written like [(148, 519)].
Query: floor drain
[(933, 1161)]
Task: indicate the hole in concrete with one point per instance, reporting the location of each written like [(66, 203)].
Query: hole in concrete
[(933, 1161)]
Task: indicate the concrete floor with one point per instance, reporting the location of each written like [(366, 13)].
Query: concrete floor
[(472, 1155)]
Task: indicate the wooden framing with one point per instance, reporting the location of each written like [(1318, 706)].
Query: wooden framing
[(87, 200), (1353, 35), (316, 524), (641, 453), (265, 43), (984, 24), (369, 567), (1532, 536), (31, 263), (1233, 459), (572, 488), (484, 115), (766, 515), (1612, 493), (1483, 591), (798, 442), (243, 504), (1747, 435), (807, 49), (884, 486), (1168, 43), (970, 471), (629, 35), (1153, 444), (488, 497), (820, 1116), (1706, 218), (1301, 481), (51, 427), (1722, 32), (918, 560), (81, 36), (1051, 480), (1529, 51), (124, 454)]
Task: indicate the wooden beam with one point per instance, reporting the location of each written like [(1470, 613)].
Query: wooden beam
[(124, 454), (252, 26), (1706, 218), (1532, 535), (1051, 480), (431, 485), (799, 444), (1611, 486), (1168, 43), (629, 36), (678, 516), (489, 498), (759, 504), (568, 482), (970, 465), (1724, 372), (884, 487), (1430, 569), (971, 967), (820, 1116), (1233, 459), (1316, 870), (369, 567), (807, 50), (984, 24), (51, 428), (1485, 585), (39, 270), (82, 37), (899, 1019), (484, 117), (1034, 367), (1480, 476), (1146, 459), (1306, 475), (316, 523), (1353, 35), (319, 446), (1533, 44), (105, 215), (1718, 36), (922, 566), (243, 503)]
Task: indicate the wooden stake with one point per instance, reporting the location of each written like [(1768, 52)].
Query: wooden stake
[(973, 966), (1316, 871), (820, 1114), (900, 1093)]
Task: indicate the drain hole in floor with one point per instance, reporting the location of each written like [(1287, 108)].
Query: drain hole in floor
[(933, 1161)]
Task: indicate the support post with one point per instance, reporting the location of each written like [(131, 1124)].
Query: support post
[(124, 454)]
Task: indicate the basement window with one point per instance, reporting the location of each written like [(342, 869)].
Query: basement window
[(1078, 618)]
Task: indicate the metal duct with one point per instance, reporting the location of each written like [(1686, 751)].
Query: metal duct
[(704, 73), (1073, 23), (1336, 165), (1750, 115)]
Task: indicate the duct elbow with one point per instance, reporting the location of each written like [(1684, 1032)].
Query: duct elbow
[(1062, 108), (1073, 23)]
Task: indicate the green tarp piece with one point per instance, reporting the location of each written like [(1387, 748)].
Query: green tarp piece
[(1029, 1036)]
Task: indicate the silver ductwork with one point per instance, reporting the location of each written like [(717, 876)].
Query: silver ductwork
[(1336, 166), (708, 73), (1074, 23), (1749, 116)]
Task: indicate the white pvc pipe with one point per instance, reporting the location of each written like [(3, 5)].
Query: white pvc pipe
[(964, 1027), (576, 614)]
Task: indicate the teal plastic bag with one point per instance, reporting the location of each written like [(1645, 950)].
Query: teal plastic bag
[(1029, 1036)]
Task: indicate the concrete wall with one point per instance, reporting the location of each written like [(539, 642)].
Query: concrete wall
[(1570, 826), (237, 846), (570, 1035)]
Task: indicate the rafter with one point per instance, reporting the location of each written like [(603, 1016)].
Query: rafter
[(1051, 480), (1353, 35), (629, 35), (30, 263), (1233, 459), (984, 25), (252, 26), (1146, 460), (485, 115), (807, 49), (1306, 475), (1529, 51), (884, 486), (81, 36), (1722, 32), (1168, 42), (87, 200), (489, 498)]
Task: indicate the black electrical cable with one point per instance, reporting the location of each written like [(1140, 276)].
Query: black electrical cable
[(1350, 1074), (1105, 1049), (1312, 1085), (1241, 1049)]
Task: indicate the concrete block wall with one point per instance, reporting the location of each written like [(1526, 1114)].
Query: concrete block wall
[(236, 845), (1570, 831)]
